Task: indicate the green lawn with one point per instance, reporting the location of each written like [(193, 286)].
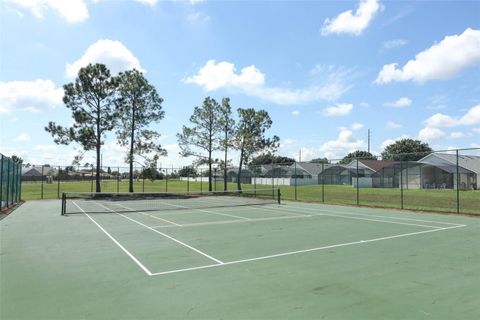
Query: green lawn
[(428, 200)]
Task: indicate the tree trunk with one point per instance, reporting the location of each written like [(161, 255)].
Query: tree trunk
[(132, 134), (239, 175), (210, 169), (98, 146)]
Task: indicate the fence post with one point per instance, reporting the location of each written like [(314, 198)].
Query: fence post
[(166, 180), (358, 189), (323, 182), (295, 173), (143, 179), (188, 180), (255, 181), (41, 197), (401, 183), (8, 183), (458, 184), (1, 181), (20, 183), (91, 181), (58, 183), (118, 179), (201, 180)]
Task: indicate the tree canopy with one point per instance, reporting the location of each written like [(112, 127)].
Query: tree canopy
[(269, 158), (320, 160), (406, 150), (360, 155), (227, 128)]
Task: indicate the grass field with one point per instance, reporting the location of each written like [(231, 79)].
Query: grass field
[(428, 200), (289, 261)]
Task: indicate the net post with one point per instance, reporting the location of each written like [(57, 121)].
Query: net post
[(58, 182), (64, 202), (41, 185)]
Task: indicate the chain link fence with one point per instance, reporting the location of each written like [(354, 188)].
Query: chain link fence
[(10, 182), (442, 181)]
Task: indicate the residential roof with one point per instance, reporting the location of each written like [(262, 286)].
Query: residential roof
[(37, 170), (374, 165), (448, 161), (313, 169)]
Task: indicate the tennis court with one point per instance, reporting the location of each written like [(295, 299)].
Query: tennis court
[(237, 256)]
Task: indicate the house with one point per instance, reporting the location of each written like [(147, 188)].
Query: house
[(438, 171), (335, 174), (374, 173), (35, 173), (246, 175)]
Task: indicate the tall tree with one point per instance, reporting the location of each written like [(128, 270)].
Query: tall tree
[(200, 139), (320, 160), (227, 124), (91, 100), (138, 106), (406, 150), (360, 155), (269, 158), (250, 136)]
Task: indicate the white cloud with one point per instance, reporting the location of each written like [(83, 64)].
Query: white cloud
[(391, 44), (72, 11), (45, 147), (22, 137), (197, 17), (439, 120), (341, 109), (430, 134), (112, 53), (393, 125), (29, 95), (476, 130), (364, 104), (441, 61), (295, 113), (400, 103), (352, 23), (344, 144), (356, 126), (148, 2), (251, 81), (457, 135)]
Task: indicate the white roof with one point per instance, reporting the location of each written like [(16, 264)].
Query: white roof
[(448, 162)]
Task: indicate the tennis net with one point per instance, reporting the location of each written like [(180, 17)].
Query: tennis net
[(103, 202)]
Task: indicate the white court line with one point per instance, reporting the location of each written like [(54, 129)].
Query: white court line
[(115, 241), (207, 211), (367, 219), (233, 221), (305, 250), (146, 214), (340, 216), (163, 234), (376, 216)]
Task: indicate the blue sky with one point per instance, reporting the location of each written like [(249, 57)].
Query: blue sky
[(326, 71)]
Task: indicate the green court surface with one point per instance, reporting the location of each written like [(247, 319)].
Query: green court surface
[(288, 261)]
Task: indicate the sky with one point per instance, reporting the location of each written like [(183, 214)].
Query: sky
[(326, 71)]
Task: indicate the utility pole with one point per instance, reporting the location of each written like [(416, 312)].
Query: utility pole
[(368, 140), (300, 155)]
